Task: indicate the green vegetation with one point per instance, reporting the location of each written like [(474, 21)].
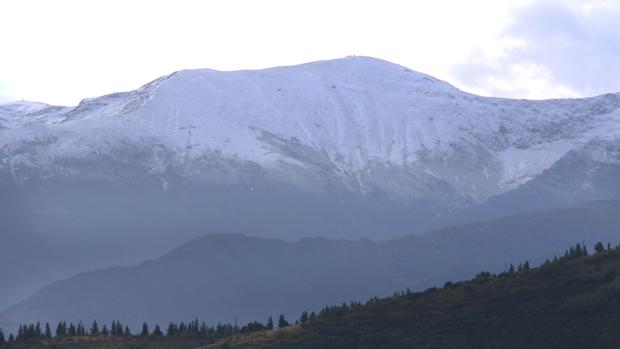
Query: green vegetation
[(569, 302), (572, 301)]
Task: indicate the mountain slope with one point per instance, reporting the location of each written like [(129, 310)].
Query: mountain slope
[(227, 276), (344, 148), (343, 123), (573, 303)]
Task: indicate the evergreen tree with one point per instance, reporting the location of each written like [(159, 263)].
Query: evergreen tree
[(81, 330), (204, 330), (104, 330), (303, 318), (59, 330), (157, 331), (127, 332), (2, 339), (72, 332), (599, 248), (37, 331), (172, 330), (94, 329), (145, 330), (269, 325), (48, 330), (511, 269), (11, 338), (282, 323), (526, 266)]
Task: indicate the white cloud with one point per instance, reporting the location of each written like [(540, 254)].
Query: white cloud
[(551, 49)]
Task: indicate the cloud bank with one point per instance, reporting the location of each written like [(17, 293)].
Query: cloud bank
[(551, 48)]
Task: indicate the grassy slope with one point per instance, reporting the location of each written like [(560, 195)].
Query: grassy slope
[(567, 304)]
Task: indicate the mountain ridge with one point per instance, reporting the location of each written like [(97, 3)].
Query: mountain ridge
[(217, 277), (342, 149)]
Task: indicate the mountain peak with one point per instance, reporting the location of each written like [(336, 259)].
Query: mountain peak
[(21, 107)]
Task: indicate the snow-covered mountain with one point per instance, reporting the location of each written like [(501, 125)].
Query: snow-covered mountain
[(343, 148), (358, 124)]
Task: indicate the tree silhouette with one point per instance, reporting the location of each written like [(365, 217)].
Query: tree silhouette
[(145, 330), (599, 248), (172, 330), (37, 331), (282, 323), (71, 332), (94, 329), (303, 318), (81, 330)]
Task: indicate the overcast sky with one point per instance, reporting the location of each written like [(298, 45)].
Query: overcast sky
[(62, 51)]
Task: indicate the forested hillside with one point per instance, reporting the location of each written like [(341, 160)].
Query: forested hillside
[(571, 301)]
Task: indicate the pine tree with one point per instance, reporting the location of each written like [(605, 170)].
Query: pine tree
[(511, 269), (157, 331), (72, 332), (269, 325), (599, 248), (172, 330), (282, 323), (48, 330), (127, 332), (303, 318), (145, 330), (104, 330), (94, 329), (2, 339), (59, 332), (81, 330), (11, 338), (204, 330), (526, 266), (31, 332), (37, 331)]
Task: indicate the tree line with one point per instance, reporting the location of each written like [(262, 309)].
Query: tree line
[(191, 329), (200, 330)]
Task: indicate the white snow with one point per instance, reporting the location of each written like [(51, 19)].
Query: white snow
[(355, 112)]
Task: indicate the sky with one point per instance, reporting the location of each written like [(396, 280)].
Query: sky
[(61, 51)]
